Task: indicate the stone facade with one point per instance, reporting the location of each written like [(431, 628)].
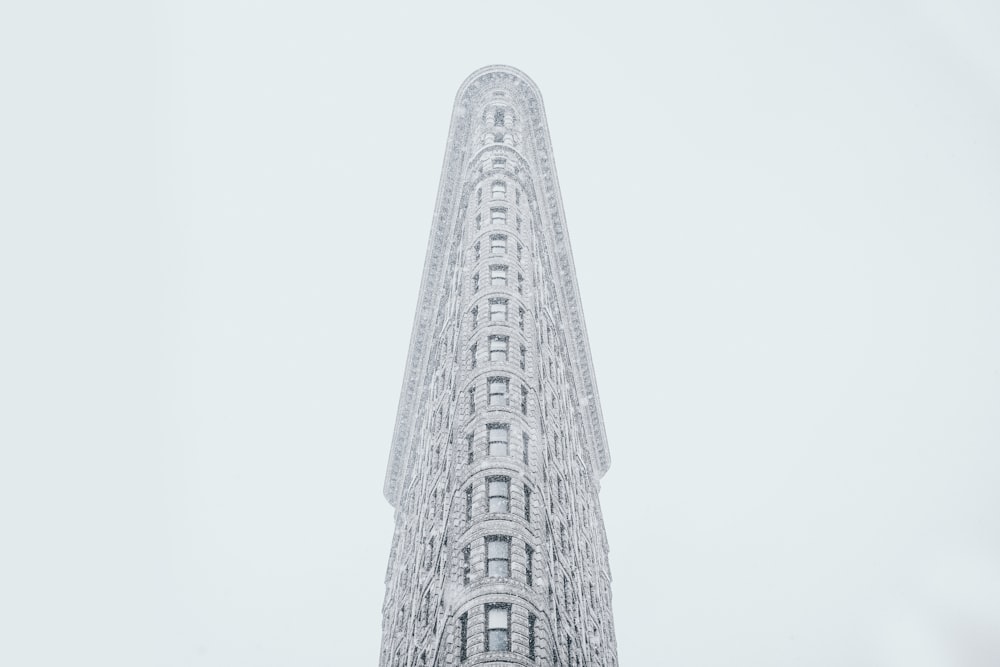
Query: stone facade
[(499, 555)]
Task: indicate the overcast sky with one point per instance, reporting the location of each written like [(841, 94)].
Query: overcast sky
[(786, 225)]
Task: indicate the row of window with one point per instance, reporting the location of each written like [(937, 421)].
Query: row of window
[(498, 497), (498, 246), (498, 189), (498, 312), (498, 278), (497, 442), (497, 635), (498, 216), (499, 347), (498, 391)]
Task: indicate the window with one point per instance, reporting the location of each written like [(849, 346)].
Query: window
[(463, 634), (498, 138), (479, 221), (472, 355), (499, 162), (498, 627), (498, 391), (498, 310), (520, 284), (524, 451), (476, 248), (498, 118), (479, 196), (518, 222), (466, 565), (517, 195), (524, 400), (470, 439), (498, 348), (475, 282), (529, 555), (531, 636), (499, 190), (497, 436), (498, 216), (472, 400), (498, 244), (527, 502), (468, 503), (498, 556), (498, 275), (475, 316), (520, 248), (520, 318), (498, 491), (524, 358)]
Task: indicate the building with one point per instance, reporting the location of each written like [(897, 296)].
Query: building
[(499, 554)]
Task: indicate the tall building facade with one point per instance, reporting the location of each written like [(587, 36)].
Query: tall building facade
[(499, 554)]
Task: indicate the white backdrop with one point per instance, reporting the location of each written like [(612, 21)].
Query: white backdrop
[(785, 221)]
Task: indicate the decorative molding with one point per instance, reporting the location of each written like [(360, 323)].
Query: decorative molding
[(459, 160)]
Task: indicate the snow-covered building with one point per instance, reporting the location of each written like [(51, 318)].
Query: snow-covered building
[(499, 554)]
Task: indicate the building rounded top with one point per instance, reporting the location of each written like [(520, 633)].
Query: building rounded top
[(490, 71)]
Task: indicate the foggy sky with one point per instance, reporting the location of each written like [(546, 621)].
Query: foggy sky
[(785, 224)]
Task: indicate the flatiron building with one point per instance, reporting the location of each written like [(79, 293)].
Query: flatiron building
[(499, 554)]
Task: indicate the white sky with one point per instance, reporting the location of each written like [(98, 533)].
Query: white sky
[(785, 222)]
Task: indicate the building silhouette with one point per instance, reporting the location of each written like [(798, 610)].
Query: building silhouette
[(499, 554)]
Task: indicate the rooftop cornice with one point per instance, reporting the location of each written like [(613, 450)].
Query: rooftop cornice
[(525, 97)]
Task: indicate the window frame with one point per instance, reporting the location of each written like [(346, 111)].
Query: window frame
[(499, 348), (504, 482), (498, 562), (494, 398), (498, 275), (490, 441)]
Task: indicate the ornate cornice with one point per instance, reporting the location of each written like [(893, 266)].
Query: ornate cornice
[(461, 147)]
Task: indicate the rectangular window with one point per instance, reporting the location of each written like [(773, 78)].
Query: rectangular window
[(479, 196), (498, 310), (498, 390), (498, 490), (463, 636), (518, 218), (472, 400), (475, 316), (498, 439), (524, 448), (531, 636), (498, 627), (520, 284), (498, 348), (475, 282), (472, 355), (498, 275), (498, 244), (476, 248), (520, 250), (468, 503), (517, 195), (520, 318), (499, 162), (466, 564), (524, 400), (498, 216), (497, 556), (529, 555), (479, 221), (498, 118), (470, 439), (499, 189), (524, 357)]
